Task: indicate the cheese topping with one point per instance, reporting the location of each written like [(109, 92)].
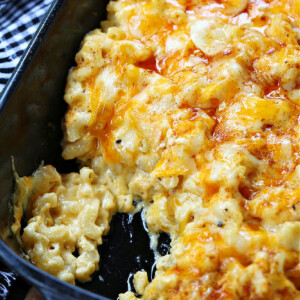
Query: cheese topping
[(194, 107)]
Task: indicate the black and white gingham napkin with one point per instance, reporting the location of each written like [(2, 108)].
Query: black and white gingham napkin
[(19, 20)]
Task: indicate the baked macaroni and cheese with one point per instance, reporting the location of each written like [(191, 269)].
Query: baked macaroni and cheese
[(193, 107)]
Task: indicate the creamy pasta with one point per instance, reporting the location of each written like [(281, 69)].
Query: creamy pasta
[(194, 107)]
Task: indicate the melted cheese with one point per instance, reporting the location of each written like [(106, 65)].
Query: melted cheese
[(193, 106)]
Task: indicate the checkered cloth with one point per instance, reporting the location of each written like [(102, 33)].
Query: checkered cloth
[(19, 20)]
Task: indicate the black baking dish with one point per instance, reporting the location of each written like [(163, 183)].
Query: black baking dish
[(31, 108)]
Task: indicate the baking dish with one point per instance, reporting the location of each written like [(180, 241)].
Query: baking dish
[(31, 108)]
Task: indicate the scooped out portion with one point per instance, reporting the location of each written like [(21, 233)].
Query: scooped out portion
[(193, 107)]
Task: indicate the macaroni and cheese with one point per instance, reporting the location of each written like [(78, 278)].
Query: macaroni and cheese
[(194, 108)]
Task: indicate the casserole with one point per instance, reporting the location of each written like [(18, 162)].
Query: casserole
[(196, 123)]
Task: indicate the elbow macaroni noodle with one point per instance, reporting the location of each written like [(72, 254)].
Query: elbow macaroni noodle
[(194, 107)]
